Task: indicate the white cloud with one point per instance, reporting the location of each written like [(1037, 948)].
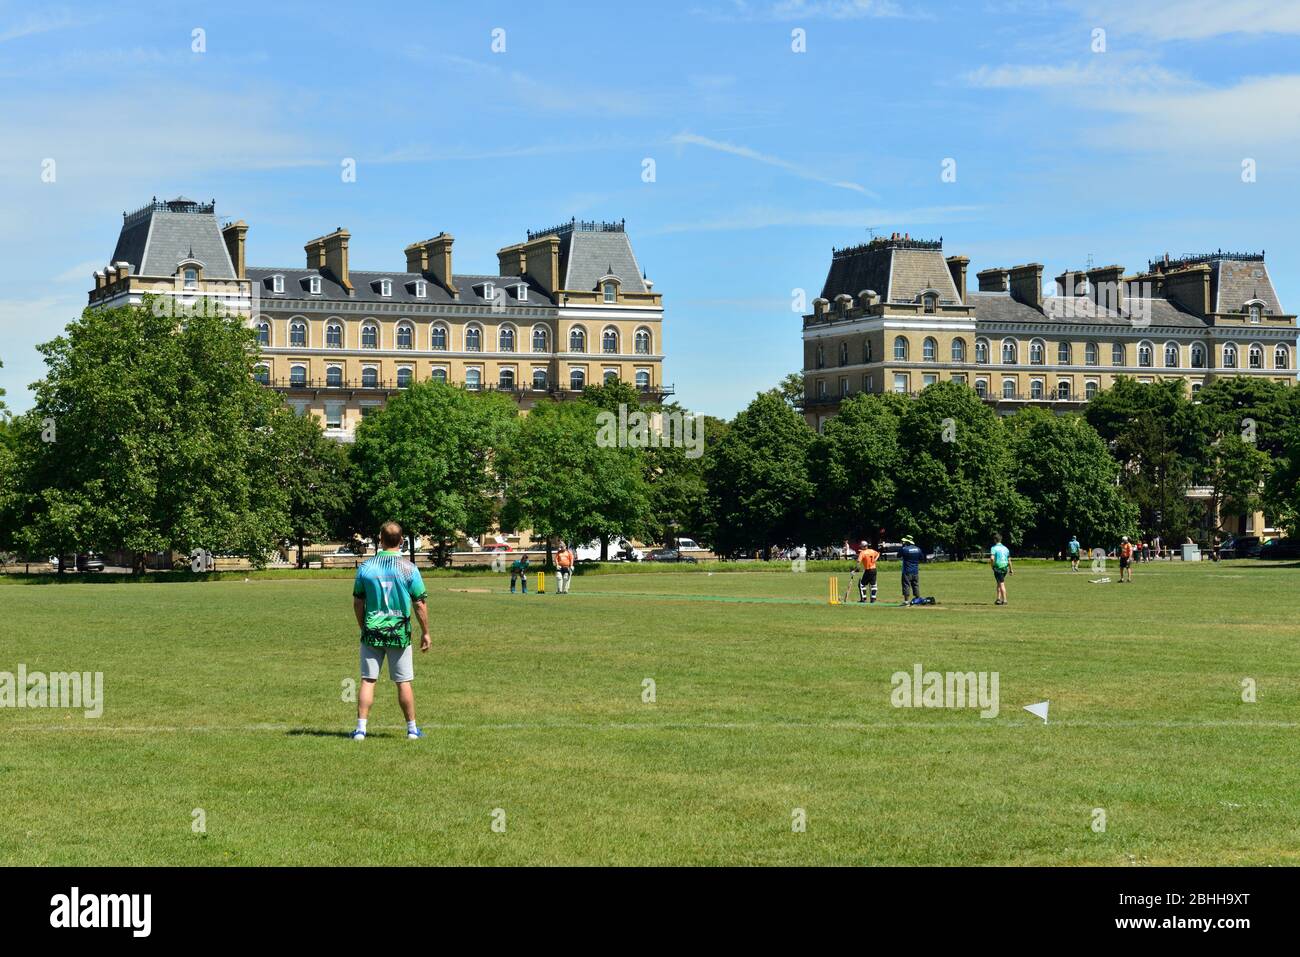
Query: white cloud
[(43, 22), (693, 139), (1194, 19), (802, 10)]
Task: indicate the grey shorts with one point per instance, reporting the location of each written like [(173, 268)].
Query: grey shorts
[(401, 663)]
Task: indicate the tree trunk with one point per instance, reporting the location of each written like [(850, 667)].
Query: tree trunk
[(300, 553), (604, 548), (411, 540)]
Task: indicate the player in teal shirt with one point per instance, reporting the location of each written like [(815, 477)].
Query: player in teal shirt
[(1000, 559)]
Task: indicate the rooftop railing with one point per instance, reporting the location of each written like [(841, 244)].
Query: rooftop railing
[(579, 226)]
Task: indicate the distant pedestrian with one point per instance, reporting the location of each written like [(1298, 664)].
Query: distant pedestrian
[(1000, 560), (1073, 549), (1125, 561), (867, 558)]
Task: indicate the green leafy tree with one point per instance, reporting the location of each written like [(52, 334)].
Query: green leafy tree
[(854, 465), (678, 489), (559, 482), (608, 396), (957, 475), (428, 461), (147, 435), (790, 390), (758, 487), (1254, 409), (1282, 489), (1063, 469), (315, 471), (1236, 474)]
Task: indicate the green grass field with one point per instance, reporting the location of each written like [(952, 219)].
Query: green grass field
[(227, 696)]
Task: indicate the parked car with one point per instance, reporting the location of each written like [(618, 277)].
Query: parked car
[(618, 550), (1280, 548), (82, 562), (688, 545), (1241, 546), (671, 555)]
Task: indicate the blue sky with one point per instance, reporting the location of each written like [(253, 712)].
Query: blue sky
[(764, 157)]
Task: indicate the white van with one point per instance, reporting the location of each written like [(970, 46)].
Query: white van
[(619, 550)]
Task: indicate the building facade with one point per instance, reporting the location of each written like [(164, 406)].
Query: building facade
[(896, 315), (567, 307)]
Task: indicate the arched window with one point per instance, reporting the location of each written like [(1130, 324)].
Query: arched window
[(1063, 389), (1090, 389), (1146, 355), (981, 388), (263, 333), (539, 380), (370, 336), (928, 303), (982, 351), (298, 376), (577, 379), (403, 377), (959, 350), (1008, 388), (506, 379), (1090, 353), (541, 339), (1064, 354), (1254, 311), (1256, 355), (900, 349), (297, 333), (438, 339), (439, 375), (643, 380), (1281, 357), (609, 341), (610, 376), (473, 379), (1037, 352), (643, 342), (334, 377), (929, 348), (370, 378), (473, 339), (262, 374), (577, 339), (1117, 354), (1009, 351), (1198, 356), (334, 336), (1229, 356), (844, 353), (1171, 355), (506, 339), (1036, 389), (405, 335)]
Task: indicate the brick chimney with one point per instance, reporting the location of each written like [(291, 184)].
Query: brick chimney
[(234, 235), (1071, 283), (329, 254), (957, 266), (1027, 284), (512, 261), (432, 258), (1189, 288), (992, 280), (542, 263), (1107, 287)]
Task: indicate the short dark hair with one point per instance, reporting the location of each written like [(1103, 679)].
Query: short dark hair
[(997, 536), (390, 534)]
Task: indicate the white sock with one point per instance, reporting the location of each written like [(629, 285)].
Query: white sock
[(361, 724), (410, 727)]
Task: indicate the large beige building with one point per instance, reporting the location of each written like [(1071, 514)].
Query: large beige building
[(896, 315), (567, 307)]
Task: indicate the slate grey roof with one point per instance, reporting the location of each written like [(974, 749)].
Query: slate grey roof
[(1236, 282), (586, 256), (895, 274), (1000, 308), (158, 239), (365, 285)]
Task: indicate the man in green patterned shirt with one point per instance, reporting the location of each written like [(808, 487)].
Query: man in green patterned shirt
[(386, 589)]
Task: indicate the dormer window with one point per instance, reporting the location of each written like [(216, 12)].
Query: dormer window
[(277, 284), (489, 291), (385, 287), (421, 289), (521, 292), (929, 302), (191, 278), (611, 292), (313, 285), (1254, 311)]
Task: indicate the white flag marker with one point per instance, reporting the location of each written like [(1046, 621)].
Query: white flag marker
[(1038, 710)]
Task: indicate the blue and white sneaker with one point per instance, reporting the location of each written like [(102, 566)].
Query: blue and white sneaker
[(414, 735), (358, 735)]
